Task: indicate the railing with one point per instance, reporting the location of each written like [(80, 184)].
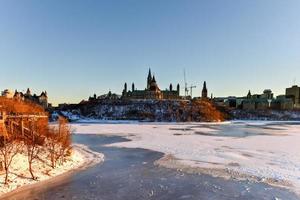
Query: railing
[(25, 116), (14, 124)]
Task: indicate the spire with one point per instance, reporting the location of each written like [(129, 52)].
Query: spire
[(204, 86), (149, 73), (178, 89), (42, 94), (171, 87), (28, 92), (149, 78), (125, 87), (204, 90), (153, 79), (249, 94), (124, 93), (16, 93)]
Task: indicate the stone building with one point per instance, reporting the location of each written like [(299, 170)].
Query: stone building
[(152, 91), (262, 101), (282, 103), (107, 96), (294, 93), (7, 93), (267, 94), (248, 104), (41, 99), (266, 100), (257, 101)]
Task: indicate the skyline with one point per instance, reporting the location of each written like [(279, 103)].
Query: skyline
[(235, 46), (129, 86)]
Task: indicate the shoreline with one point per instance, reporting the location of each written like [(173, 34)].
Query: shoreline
[(91, 158), (171, 162)]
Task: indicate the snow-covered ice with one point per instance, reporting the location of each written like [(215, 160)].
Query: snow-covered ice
[(268, 151)]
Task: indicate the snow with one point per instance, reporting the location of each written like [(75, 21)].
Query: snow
[(19, 174), (267, 151), (71, 116), (103, 121)]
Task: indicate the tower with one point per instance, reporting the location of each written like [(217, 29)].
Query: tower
[(178, 89), (153, 79), (132, 87), (124, 93), (204, 90), (149, 79), (171, 87), (249, 95), (28, 92), (125, 87)]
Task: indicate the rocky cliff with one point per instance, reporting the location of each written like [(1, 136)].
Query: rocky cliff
[(149, 110)]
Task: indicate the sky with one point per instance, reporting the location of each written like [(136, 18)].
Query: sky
[(75, 48)]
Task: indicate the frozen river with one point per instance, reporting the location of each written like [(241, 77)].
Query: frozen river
[(129, 174)]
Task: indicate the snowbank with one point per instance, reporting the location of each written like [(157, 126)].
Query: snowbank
[(267, 152), (19, 174)]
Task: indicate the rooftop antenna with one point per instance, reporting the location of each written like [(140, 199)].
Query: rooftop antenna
[(294, 81)]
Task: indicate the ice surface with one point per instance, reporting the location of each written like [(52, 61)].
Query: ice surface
[(269, 150)]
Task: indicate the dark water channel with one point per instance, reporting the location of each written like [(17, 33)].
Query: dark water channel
[(129, 174)]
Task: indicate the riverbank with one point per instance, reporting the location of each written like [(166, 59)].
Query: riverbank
[(81, 158)]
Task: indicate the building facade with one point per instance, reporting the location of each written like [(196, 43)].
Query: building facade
[(262, 101), (7, 93), (152, 91), (41, 99), (294, 93)]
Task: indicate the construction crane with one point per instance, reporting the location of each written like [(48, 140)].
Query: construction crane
[(191, 89), (186, 90)]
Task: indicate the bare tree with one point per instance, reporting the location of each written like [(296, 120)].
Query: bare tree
[(28, 132), (34, 140), (9, 148), (53, 145), (64, 138)]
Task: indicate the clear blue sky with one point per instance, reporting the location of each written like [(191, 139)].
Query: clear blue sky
[(75, 48)]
